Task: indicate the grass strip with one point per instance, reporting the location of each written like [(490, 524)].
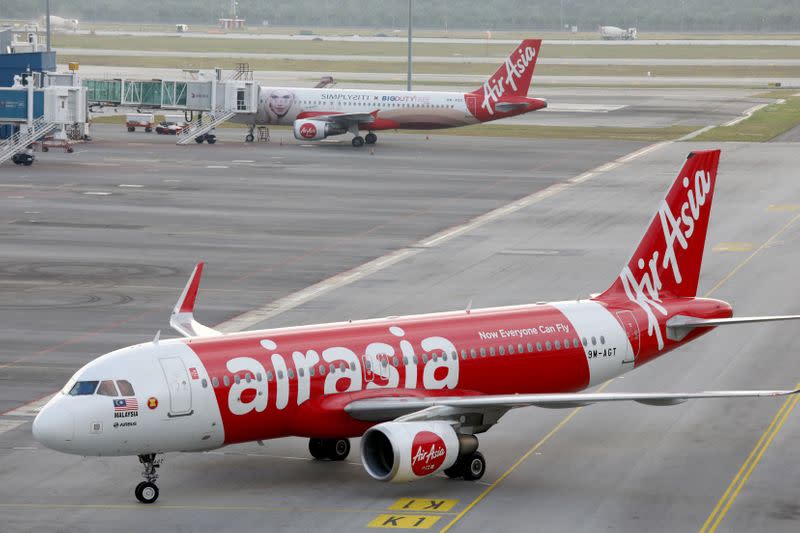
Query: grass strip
[(763, 125)]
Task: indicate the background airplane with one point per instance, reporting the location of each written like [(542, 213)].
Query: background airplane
[(316, 114), (417, 389)]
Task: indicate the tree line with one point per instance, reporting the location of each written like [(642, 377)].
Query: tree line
[(587, 15)]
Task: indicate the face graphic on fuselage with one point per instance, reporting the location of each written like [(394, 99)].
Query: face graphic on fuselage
[(280, 101)]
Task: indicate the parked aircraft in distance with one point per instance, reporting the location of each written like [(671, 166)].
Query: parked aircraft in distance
[(316, 114), (416, 389)]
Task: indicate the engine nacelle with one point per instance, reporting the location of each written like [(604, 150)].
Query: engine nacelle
[(315, 130), (407, 451)]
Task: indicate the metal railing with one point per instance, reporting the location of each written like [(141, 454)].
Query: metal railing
[(203, 124), (25, 136)]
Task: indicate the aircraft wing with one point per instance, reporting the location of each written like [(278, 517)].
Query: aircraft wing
[(344, 119), (490, 408)]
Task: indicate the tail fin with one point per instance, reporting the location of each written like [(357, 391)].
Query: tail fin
[(667, 260), (513, 77)]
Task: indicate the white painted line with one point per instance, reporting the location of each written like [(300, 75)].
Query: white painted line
[(15, 197), (172, 181), (131, 185), (97, 193), (243, 161), (745, 115), (9, 425), (30, 409), (695, 133), (32, 212), (216, 166), (272, 309)]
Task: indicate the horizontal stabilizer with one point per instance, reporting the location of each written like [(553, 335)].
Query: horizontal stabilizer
[(679, 326), (182, 319)]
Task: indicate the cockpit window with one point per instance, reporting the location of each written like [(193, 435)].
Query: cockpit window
[(107, 388), (83, 388), (125, 387)]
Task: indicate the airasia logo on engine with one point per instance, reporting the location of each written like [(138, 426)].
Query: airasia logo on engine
[(427, 453), (308, 131)]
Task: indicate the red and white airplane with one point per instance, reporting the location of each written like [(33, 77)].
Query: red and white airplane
[(319, 113), (417, 389)]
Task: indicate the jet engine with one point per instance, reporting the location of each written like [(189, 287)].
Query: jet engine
[(407, 451), (315, 130)]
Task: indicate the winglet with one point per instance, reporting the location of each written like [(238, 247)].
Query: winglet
[(182, 319)]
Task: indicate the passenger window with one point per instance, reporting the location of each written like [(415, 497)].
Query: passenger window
[(548, 346), (300, 372), (125, 387), (453, 355), (463, 354), (473, 353), (226, 381), (394, 363), (247, 378), (290, 373), (311, 371), (405, 360), (483, 352), (321, 370), (258, 376), (558, 345), (576, 343), (214, 382), (530, 348), (602, 340), (538, 346), (280, 375), (205, 383), (594, 341), (369, 364), (585, 342), (520, 348), (502, 350), (237, 379), (332, 368), (107, 388), (491, 351), (566, 343), (424, 358), (510, 349)]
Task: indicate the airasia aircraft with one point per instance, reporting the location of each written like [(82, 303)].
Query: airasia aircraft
[(319, 113), (418, 388)]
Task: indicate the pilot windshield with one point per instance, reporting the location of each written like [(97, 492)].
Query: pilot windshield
[(83, 388)]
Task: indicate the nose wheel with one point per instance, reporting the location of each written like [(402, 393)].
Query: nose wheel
[(147, 491)]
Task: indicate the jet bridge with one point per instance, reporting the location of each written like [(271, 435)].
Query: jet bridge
[(210, 102)]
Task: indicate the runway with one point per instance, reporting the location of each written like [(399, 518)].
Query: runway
[(273, 220)]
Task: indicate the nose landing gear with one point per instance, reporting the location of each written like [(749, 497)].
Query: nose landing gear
[(147, 491)]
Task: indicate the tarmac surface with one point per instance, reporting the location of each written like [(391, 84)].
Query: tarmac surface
[(118, 227)]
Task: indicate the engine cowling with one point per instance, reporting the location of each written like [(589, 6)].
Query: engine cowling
[(314, 130), (407, 451)]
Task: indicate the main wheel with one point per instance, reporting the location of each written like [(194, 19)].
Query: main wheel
[(316, 447), (475, 467), (131, 128), (358, 141), (250, 138), (148, 130), (337, 449), (211, 139), (457, 470), (199, 140), (146, 492), (371, 138), (45, 149)]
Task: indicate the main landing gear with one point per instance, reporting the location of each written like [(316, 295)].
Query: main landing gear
[(369, 138), (470, 467), (333, 449), (147, 491)]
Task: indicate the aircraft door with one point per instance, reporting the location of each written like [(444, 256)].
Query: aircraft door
[(376, 368), (628, 321), (180, 390)]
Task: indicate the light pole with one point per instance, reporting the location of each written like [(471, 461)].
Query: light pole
[(408, 81), (47, 13)]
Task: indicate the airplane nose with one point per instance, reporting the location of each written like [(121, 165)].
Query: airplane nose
[(54, 426)]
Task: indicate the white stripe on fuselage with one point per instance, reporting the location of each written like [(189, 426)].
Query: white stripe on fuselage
[(282, 105), (594, 322)]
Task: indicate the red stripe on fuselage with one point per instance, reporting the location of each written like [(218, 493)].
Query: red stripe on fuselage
[(322, 415)]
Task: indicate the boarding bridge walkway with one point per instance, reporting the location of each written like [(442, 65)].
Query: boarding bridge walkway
[(25, 136), (197, 128)]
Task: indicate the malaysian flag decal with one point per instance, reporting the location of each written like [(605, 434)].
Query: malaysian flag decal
[(124, 405)]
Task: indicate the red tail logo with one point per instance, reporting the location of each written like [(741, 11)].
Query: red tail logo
[(513, 78), (668, 259), (427, 453)]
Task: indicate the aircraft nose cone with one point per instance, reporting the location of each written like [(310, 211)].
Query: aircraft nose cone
[(54, 427)]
